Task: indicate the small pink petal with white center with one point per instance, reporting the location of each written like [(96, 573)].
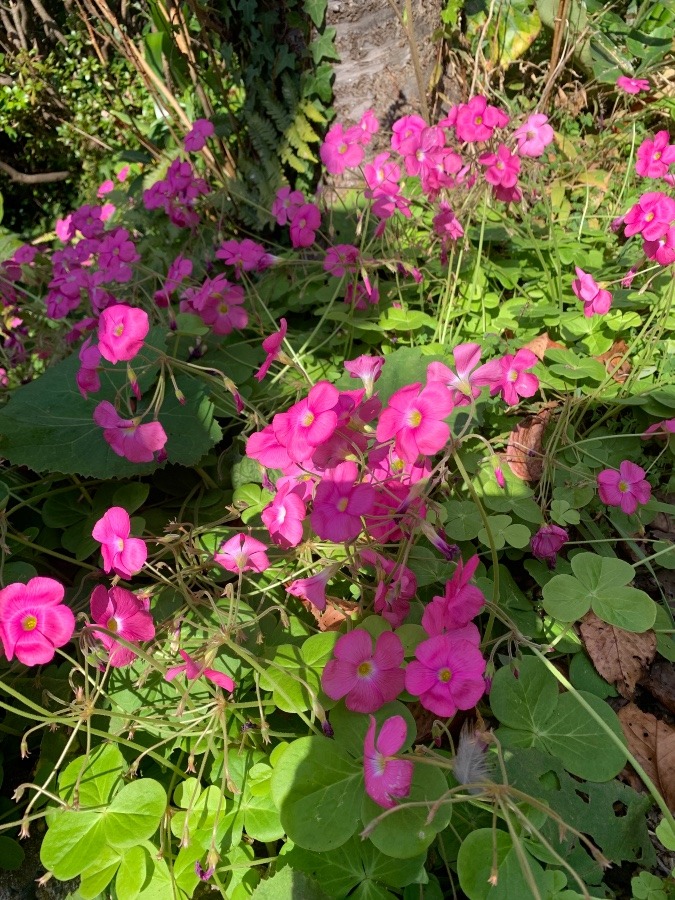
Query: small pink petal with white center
[(34, 621), (243, 553), (126, 615), (121, 332), (386, 779)]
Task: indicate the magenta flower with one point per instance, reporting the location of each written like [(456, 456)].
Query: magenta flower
[(340, 259), (651, 216), (476, 121), (33, 621), (121, 332), (123, 555), (502, 167), (632, 85), (446, 225), (179, 270), (465, 385), (285, 205), (367, 679), (405, 134), (414, 418), (87, 378), (446, 675), (196, 138), (342, 149), (369, 126), (663, 250), (597, 301), (130, 438), (508, 376), (126, 615), (194, 670), (460, 603), (663, 428), (308, 423), (547, 543), (243, 553), (304, 224), (654, 158), (628, 488), (283, 517), (245, 256), (340, 503), (386, 779), (534, 135), (381, 175), (367, 368), (272, 345), (313, 588)]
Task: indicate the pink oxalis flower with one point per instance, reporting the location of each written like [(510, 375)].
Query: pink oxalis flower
[(340, 503), (597, 301), (628, 488), (509, 377), (548, 542), (272, 345), (121, 332), (654, 157), (447, 674), (534, 135), (243, 553), (196, 138), (367, 368), (304, 224), (194, 670), (414, 418), (123, 555), (134, 440), (387, 779), (366, 678), (127, 616), (313, 588), (632, 85), (34, 621), (460, 603)]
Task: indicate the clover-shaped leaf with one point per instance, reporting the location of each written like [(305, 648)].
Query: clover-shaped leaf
[(525, 699), (600, 583)]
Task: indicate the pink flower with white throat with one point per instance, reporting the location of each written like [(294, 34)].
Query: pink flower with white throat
[(194, 670), (534, 135), (121, 332), (597, 301), (366, 678), (628, 488), (509, 377), (134, 440), (125, 615), (414, 418), (386, 779), (122, 554), (196, 138), (243, 553)]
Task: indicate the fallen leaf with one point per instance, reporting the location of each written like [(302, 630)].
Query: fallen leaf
[(652, 743), (621, 657), (613, 359), (333, 615), (541, 343), (524, 451), (660, 682)]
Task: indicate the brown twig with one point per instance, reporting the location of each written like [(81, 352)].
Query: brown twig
[(37, 178)]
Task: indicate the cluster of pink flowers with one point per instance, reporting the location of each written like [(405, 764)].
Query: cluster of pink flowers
[(218, 302), (177, 194)]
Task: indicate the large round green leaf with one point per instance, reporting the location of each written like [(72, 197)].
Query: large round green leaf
[(317, 787), (485, 850)]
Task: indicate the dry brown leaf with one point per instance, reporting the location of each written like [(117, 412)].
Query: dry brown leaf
[(652, 743), (616, 365), (660, 682), (621, 657), (524, 451), (333, 615), (541, 343)]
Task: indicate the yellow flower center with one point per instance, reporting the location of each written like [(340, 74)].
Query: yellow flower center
[(118, 330), (414, 418), (365, 669), (649, 217), (29, 623), (223, 309), (111, 625), (478, 120), (657, 155), (623, 487), (307, 419), (342, 504), (444, 675)]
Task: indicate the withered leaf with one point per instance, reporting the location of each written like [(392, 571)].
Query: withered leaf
[(652, 743), (660, 682), (616, 365), (524, 451), (621, 657), (541, 343)]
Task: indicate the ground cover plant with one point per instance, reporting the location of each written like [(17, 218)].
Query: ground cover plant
[(333, 560)]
